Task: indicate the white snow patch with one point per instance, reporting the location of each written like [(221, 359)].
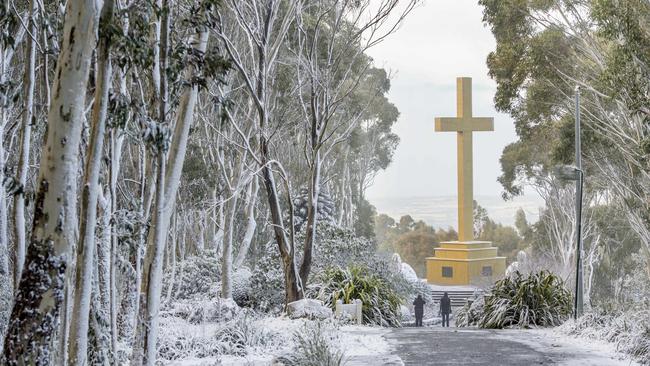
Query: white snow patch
[(570, 351), (358, 340), (308, 308), (409, 273)]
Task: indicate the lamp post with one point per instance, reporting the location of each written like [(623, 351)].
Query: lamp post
[(579, 183), (575, 173)]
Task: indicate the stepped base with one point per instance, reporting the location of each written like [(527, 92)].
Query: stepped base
[(465, 263)]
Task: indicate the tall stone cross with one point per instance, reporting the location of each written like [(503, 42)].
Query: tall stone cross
[(464, 124)]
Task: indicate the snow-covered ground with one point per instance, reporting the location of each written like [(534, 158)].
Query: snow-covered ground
[(361, 345), (585, 352), (364, 345)]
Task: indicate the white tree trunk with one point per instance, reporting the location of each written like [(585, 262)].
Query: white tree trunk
[(153, 268), (78, 344), (147, 331), (38, 301), (25, 140), (253, 189), (172, 259), (226, 254)]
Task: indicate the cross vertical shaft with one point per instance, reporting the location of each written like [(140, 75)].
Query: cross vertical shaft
[(465, 161), (465, 186), (464, 124)]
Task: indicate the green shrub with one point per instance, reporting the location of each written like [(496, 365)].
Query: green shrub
[(381, 302), (539, 299)]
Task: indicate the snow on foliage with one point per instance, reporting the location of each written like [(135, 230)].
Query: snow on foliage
[(200, 311), (381, 302), (334, 246), (316, 345), (629, 331), (250, 337), (241, 283), (267, 283), (198, 277), (405, 269), (540, 299), (326, 207)]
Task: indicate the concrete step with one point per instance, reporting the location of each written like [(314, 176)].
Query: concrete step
[(457, 297)]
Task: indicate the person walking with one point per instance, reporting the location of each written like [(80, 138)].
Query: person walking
[(419, 310), (445, 309)]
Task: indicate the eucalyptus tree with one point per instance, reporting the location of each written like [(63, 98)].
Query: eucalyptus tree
[(264, 25), (38, 301), (332, 40), (10, 40), (78, 344), (194, 69), (545, 49), (29, 79)]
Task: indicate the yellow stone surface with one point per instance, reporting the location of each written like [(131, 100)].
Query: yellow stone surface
[(466, 261), (465, 272), (464, 124)]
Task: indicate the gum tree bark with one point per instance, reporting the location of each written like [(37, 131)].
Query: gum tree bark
[(166, 190), (23, 154), (78, 344), (38, 302), (253, 189)]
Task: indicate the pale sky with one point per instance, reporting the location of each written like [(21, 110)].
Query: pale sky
[(440, 40)]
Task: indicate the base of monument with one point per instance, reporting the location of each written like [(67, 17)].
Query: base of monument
[(465, 263)]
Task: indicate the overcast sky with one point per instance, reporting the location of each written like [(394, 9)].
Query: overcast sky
[(439, 41)]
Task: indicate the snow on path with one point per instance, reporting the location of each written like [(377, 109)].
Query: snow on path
[(572, 351), (364, 345), (512, 347)]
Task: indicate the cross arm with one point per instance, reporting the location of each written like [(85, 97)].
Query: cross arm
[(446, 124), (482, 124)]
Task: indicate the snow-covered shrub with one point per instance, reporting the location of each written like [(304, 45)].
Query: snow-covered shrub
[(198, 277), (326, 207), (180, 340), (470, 313), (336, 246), (267, 282), (241, 285), (539, 299), (241, 334), (633, 290), (381, 302), (201, 311), (333, 247), (629, 331), (406, 313), (314, 346), (238, 336)]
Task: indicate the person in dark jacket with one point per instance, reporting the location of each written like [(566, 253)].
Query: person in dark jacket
[(419, 310), (445, 309)]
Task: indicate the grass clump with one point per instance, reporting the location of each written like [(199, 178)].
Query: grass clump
[(314, 346), (538, 299)]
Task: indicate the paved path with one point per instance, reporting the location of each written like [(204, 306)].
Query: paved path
[(463, 346)]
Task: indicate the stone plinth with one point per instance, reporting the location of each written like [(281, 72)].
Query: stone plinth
[(458, 263)]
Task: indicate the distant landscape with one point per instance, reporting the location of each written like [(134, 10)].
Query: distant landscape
[(441, 211)]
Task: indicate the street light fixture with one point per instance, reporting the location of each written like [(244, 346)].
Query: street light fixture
[(575, 173)]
